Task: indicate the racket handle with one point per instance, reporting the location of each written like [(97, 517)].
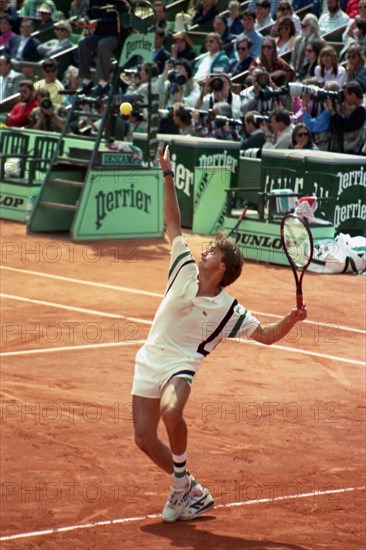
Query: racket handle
[(299, 301)]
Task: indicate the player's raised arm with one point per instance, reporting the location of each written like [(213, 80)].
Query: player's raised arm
[(171, 207)]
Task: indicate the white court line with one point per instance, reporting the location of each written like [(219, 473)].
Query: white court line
[(71, 348), (72, 308), (90, 346), (117, 521), (156, 295), (93, 312)]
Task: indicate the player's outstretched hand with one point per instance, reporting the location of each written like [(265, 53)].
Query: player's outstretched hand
[(164, 159), (299, 314)]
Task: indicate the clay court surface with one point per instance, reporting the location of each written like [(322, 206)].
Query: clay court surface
[(276, 433)]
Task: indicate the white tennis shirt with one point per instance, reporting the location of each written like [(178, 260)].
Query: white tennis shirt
[(187, 327)]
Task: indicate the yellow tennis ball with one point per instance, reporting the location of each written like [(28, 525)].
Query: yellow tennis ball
[(125, 108)]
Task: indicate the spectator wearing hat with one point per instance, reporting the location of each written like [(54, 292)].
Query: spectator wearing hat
[(9, 78), (264, 18), (32, 8), (170, 92), (23, 47), (50, 83), (182, 47), (46, 14), (19, 115), (62, 41)]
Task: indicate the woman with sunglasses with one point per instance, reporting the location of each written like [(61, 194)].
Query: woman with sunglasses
[(286, 9), (312, 51), (280, 72), (328, 67), (245, 58), (301, 138), (355, 67), (286, 35)]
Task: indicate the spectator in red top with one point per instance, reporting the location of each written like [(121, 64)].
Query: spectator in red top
[(19, 115)]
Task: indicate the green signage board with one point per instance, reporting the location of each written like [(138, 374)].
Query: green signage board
[(209, 203), (17, 200), (120, 204), (188, 153), (261, 241), (338, 177), (137, 44)]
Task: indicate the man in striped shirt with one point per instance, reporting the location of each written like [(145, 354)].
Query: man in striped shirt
[(195, 314)]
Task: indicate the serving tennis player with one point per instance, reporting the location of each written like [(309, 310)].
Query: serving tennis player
[(195, 314)]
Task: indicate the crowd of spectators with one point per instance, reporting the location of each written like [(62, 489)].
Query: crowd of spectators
[(268, 74)]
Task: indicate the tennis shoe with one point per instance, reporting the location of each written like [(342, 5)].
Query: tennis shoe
[(200, 500), (176, 501)]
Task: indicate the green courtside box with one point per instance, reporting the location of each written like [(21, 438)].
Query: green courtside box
[(322, 174), (187, 154)]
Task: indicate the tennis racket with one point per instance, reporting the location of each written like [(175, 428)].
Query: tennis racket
[(298, 245)]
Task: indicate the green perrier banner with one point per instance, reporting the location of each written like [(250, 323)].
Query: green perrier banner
[(209, 203), (119, 204)]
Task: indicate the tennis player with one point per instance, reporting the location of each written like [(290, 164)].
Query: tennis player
[(194, 316)]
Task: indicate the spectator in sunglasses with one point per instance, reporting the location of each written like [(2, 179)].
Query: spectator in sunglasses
[(280, 72), (286, 9), (50, 83), (309, 31), (23, 47), (301, 138), (286, 35), (62, 41), (312, 51), (243, 47)]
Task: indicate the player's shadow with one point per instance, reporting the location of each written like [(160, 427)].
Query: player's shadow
[(185, 533)]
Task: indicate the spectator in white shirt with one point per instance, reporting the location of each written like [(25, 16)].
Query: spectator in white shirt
[(328, 67), (9, 79), (334, 18)]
